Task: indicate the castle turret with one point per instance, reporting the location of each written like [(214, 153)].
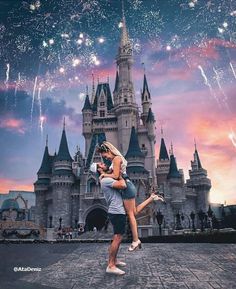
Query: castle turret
[(146, 100), (42, 185), (44, 173), (163, 165), (135, 158), (125, 107), (198, 180), (62, 181), (175, 182), (87, 123), (150, 123), (116, 89)]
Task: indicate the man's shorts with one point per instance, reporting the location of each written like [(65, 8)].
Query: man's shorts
[(118, 222)]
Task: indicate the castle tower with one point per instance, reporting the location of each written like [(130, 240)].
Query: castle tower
[(163, 165), (135, 168), (146, 100), (125, 107), (151, 134), (198, 180), (116, 89), (62, 181), (175, 183), (41, 186), (87, 123)]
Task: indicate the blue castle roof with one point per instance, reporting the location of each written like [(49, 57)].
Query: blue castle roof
[(63, 153), (10, 204), (107, 92), (134, 149)]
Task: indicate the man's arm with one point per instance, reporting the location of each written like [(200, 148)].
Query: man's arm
[(119, 185)]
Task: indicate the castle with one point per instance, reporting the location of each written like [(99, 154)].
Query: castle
[(68, 194)]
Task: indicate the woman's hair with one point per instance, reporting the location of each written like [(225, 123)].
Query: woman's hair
[(102, 148), (107, 146)]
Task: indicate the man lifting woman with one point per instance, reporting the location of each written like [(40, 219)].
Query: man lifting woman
[(117, 171)]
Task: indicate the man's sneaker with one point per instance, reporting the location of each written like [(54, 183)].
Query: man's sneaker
[(114, 270), (120, 263)]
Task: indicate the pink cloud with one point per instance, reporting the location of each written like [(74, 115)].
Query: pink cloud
[(195, 114), (12, 184), (13, 124)]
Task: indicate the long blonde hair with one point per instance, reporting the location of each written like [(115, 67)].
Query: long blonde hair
[(116, 152)]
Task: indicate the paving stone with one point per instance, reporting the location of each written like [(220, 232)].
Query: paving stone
[(82, 266)]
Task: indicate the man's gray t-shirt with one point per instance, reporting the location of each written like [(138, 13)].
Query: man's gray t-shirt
[(112, 196)]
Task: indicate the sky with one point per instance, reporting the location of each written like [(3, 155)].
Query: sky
[(51, 50)]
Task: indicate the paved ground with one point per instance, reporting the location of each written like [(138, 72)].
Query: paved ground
[(81, 265)]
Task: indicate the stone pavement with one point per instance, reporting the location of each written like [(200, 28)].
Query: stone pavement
[(82, 265)]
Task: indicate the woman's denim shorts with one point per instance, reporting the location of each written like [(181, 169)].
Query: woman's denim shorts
[(130, 191)]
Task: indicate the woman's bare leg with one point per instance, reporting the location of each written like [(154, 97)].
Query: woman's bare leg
[(143, 205), (129, 207)]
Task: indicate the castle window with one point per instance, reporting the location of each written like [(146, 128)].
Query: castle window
[(126, 123), (102, 113), (143, 146), (125, 100), (102, 103)]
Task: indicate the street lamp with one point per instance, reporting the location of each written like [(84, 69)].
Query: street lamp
[(210, 215), (223, 214), (60, 220), (192, 216), (178, 222), (201, 216), (160, 218), (76, 223), (50, 221)]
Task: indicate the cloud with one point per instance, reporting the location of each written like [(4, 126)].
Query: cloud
[(13, 125), (16, 112), (13, 184)]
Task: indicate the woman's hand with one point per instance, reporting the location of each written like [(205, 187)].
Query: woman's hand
[(103, 175)]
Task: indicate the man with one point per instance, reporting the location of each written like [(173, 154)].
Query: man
[(116, 214)]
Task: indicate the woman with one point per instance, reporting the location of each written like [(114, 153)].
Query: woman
[(117, 170)]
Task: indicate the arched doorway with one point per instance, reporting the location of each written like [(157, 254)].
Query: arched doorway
[(96, 218)]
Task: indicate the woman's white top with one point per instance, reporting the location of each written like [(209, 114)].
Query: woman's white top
[(123, 168)]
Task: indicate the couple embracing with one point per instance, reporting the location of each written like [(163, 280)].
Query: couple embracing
[(119, 193)]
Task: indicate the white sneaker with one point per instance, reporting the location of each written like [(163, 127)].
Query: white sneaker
[(157, 197), (115, 271), (120, 263), (134, 246)]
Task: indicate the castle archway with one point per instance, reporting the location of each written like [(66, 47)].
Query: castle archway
[(96, 218)]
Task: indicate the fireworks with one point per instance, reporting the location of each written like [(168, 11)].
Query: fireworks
[(232, 137), (232, 68), (63, 41), (33, 97)]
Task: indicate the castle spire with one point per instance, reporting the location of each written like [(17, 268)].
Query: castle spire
[(196, 156), (163, 154), (134, 148), (45, 167), (150, 117), (116, 82), (173, 171), (64, 123), (145, 89), (124, 33), (87, 104), (63, 153), (93, 89)]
